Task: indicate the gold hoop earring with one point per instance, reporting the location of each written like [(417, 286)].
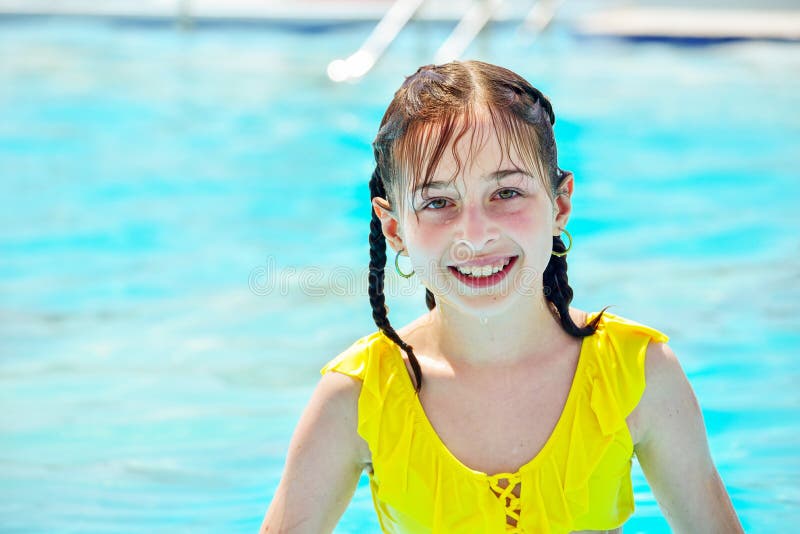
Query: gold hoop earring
[(561, 254), (397, 266)]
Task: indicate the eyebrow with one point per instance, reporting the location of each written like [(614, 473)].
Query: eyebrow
[(496, 175)]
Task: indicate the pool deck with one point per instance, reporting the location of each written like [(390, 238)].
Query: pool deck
[(693, 24), (242, 10), (643, 22)]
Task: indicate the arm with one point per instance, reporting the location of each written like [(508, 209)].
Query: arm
[(324, 462), (673, 451)]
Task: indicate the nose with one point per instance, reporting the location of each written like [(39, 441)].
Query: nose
[(476, 230)]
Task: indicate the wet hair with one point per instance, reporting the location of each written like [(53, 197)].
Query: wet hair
[(440, 104)]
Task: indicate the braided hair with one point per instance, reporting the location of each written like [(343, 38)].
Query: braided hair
[(377, 263), (438, 97)]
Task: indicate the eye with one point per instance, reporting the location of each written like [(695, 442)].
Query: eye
[(433, 204), (507, 194)]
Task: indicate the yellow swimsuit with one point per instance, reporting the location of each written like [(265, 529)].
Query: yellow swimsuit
[(579, 480)]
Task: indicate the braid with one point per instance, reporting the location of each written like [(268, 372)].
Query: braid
[(377, 264), (558, 292), (430, 301)]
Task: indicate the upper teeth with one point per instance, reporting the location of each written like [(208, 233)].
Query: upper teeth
[(485, 270)]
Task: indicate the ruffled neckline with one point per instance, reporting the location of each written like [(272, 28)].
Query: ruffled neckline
[(396, 359)]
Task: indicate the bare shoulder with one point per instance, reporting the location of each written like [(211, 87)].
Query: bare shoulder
[(664, 375), (338, 393), (667, 395), (336, 386)]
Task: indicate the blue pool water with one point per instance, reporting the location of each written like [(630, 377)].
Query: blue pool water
[(183, 223)]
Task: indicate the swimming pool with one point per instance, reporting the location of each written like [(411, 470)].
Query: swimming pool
[(167, 197)]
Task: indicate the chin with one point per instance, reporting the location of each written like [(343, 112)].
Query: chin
[(481, 304)]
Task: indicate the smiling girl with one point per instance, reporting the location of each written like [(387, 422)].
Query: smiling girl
[(503, 408)]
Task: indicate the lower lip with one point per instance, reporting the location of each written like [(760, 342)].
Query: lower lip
[(484, 281)]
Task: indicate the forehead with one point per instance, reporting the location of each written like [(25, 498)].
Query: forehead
[(478, 151)]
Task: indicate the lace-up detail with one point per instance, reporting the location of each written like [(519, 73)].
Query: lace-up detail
[(508, 495)]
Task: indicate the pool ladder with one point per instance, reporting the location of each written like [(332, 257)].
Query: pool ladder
[(400, 13)]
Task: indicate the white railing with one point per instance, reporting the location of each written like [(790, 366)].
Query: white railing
[(400, 13), (360, 62), (540, 16), (467, 29)]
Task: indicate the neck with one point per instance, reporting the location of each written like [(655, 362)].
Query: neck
[(520, 334)]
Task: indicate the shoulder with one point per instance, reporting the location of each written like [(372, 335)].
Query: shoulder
[(337, 395), (623, 346), (668, 397), (662, 368), (623, 327), (630, 358), (665, 380), (339, 390), (338, 387), (356, 358), (343, 377), (626, 347)]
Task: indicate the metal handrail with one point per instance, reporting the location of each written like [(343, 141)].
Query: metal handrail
[(474, 20), (540, 16), (467, 29), (360, 62)]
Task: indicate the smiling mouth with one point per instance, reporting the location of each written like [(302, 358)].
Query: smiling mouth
[(483, 276), (482, 271)]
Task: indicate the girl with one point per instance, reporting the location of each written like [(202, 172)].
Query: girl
[(503, 408)]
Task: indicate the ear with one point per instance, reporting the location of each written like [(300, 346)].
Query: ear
[(563, 202), (390, 224)]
